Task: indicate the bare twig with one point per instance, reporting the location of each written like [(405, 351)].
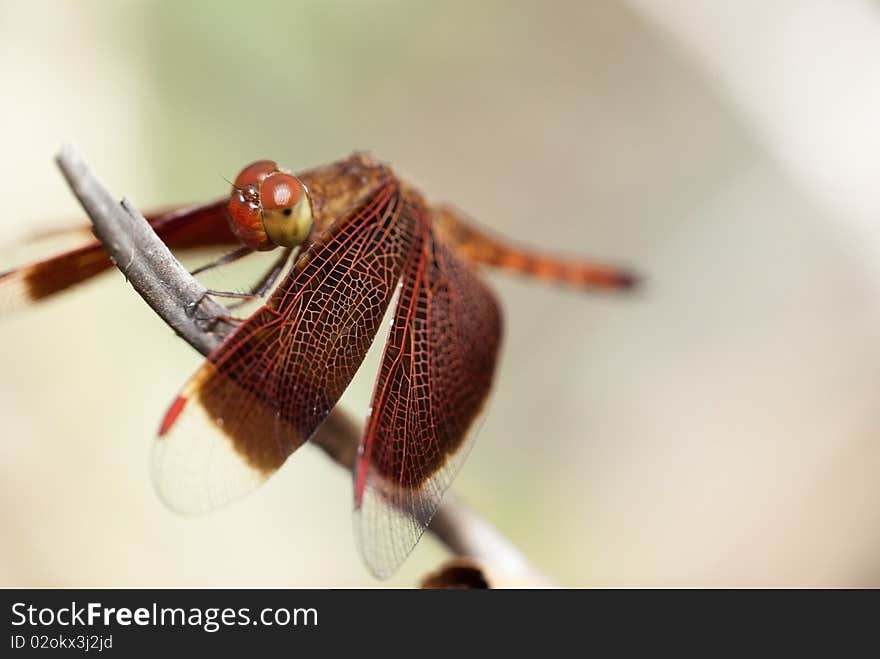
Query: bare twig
[(181, 301), (144, 259)]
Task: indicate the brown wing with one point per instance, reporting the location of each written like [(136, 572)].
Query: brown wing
[(195, 226), (266, 389), (435, 377)]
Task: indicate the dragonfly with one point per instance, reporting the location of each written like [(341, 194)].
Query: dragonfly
[(355, 241)]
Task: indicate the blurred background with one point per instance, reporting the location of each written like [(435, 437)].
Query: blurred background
[(720, 428)]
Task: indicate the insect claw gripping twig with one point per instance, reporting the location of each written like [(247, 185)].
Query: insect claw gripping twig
[(186, 306)]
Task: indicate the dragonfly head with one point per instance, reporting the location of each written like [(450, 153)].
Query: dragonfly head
[(269, 207)]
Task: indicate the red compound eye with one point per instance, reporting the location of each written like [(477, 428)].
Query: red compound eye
[(269, 207), (286, 211), (245, 212), (280, 191), (254, 173)]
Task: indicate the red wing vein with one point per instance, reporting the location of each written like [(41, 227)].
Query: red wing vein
[(435, 376)]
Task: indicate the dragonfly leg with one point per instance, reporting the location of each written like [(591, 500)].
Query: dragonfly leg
[(193, 308), (230, 294), (267, 280), (230, 257), (258, 290), (478, 246)]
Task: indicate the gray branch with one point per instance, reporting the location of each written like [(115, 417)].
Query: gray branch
[(181, 301)]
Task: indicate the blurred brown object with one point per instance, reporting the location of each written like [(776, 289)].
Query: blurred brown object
[(472, 574), (459, 573)]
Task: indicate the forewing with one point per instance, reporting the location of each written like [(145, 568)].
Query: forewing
[(266, 389), (195, 226), (435, 377)]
